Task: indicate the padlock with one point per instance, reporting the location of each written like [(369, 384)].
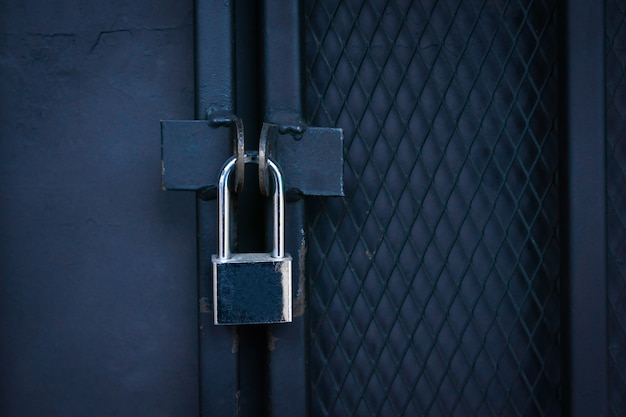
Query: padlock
[(251, 288)]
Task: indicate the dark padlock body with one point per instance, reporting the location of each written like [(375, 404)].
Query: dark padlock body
[(252, 288)]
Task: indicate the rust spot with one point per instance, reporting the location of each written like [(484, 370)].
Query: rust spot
[(235, 347), (271, 341), (204, 305), (300, 302)]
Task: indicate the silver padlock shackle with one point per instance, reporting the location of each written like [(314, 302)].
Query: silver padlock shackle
[(224, 209)]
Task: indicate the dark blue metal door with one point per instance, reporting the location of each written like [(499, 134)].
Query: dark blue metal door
[(98, 306)]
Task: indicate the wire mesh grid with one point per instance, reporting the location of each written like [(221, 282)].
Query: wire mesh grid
[(434, 282), (616, 200)]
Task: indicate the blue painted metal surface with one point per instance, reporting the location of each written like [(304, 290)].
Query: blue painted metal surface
[(98, 306)]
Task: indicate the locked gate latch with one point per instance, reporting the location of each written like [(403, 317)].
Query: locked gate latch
[(192, 154), (251, 288)]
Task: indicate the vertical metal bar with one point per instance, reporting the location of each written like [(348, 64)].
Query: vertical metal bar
[(282, 76), (214, 63), (282, 67), (286, 342), (584, 233), (214, 94)]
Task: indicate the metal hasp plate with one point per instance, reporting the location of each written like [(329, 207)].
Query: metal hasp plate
[(312, 161), (252, 288), (192, 154)]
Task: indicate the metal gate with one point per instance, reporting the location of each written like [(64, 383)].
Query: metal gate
[(465, 272), (435, 282), (474, 267), (616, 203)]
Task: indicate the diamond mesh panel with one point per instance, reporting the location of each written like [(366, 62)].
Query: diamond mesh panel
[(616, 202), (434, 284)]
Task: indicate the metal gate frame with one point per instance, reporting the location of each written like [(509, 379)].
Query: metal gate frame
[(583, 211), (249, 370), (583, 232)]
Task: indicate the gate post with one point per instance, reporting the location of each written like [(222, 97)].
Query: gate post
[(583, 206)]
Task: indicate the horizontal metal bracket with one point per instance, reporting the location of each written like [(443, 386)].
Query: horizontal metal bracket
[(311, 161), (193, 152)]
